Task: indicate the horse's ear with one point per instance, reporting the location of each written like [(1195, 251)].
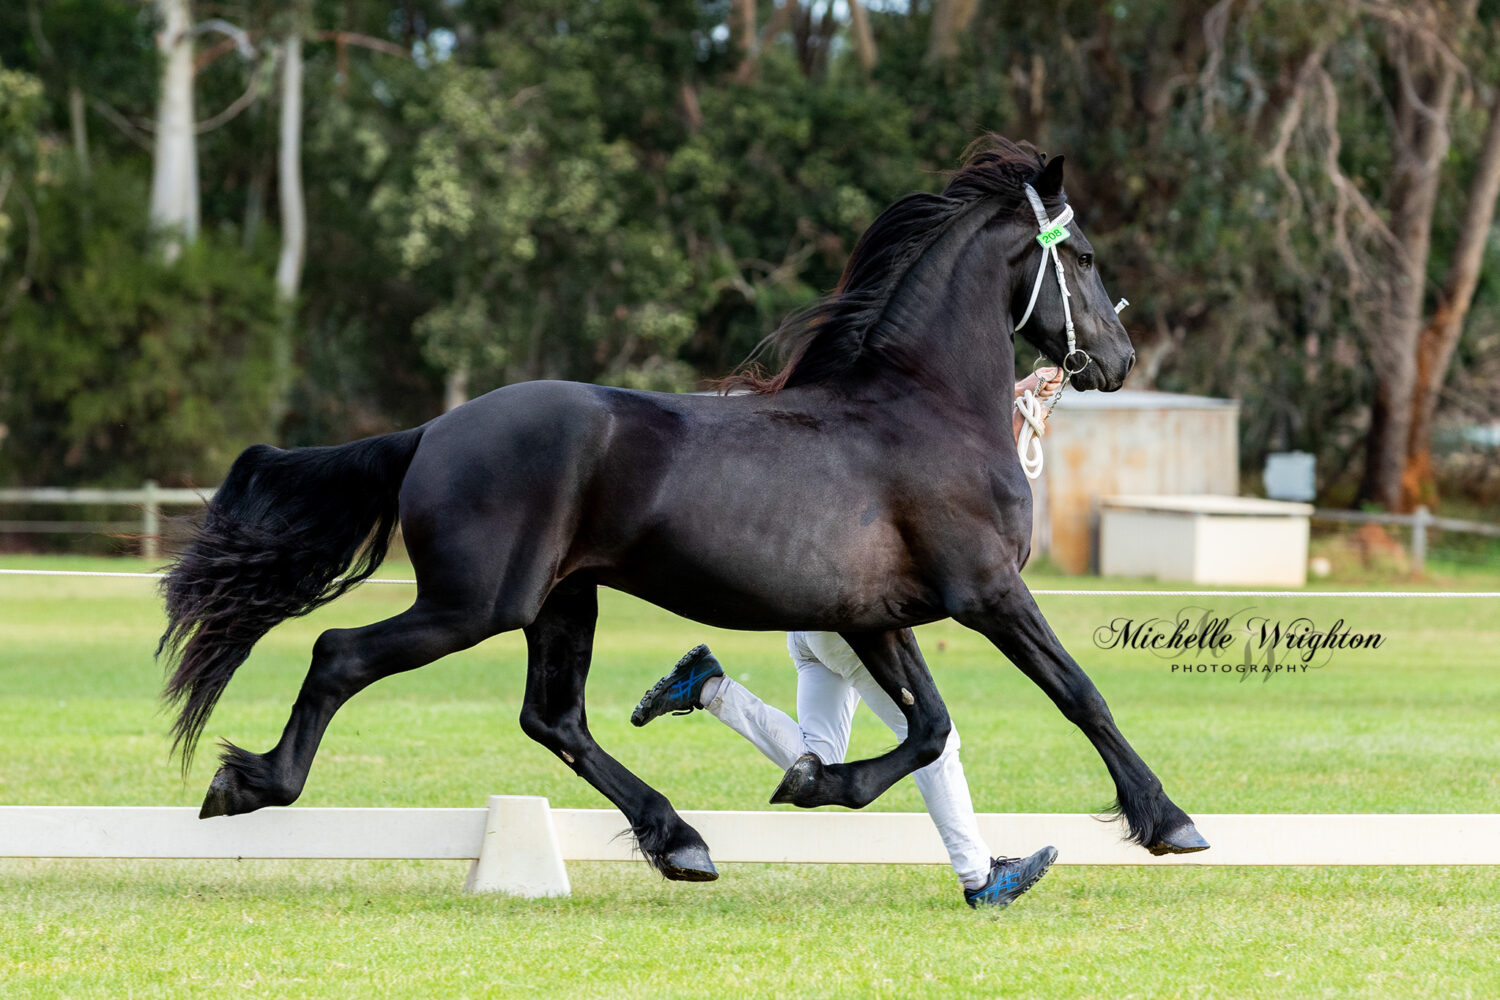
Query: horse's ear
[(1049, 182)]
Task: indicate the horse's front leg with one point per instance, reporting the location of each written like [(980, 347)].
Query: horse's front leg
[(560, 643), (1011, 620), (894, 660)]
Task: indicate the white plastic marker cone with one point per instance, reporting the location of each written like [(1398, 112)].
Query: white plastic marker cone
[(519, 854)]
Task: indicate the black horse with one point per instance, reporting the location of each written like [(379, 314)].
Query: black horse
[(872, 485)]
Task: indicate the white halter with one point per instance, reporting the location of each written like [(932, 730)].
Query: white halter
[(1033, 412), (1052, 232)]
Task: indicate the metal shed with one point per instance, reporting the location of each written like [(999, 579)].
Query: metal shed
[(1128, 442)]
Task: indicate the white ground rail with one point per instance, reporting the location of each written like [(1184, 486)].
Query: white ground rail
[(520, 844)]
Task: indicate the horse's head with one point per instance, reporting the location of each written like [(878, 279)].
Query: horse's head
[(1099, 354), (920, 289)]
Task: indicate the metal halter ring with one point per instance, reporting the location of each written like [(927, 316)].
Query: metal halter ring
[(1068, 358)]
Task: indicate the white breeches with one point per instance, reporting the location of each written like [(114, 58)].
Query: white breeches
[(830, 683)]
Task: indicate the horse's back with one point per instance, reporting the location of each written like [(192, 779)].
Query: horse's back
[(549, 471)]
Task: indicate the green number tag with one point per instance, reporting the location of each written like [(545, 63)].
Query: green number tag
[(1054, 235)]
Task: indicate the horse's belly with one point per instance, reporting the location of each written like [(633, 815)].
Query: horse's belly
[(752, 612), (778, 585)]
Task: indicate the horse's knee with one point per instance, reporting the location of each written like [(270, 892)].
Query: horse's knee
[(1087, 708)]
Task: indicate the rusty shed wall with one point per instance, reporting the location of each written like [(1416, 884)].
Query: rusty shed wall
[(1099, 450)]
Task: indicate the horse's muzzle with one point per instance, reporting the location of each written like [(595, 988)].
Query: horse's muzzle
[(1096, 376)]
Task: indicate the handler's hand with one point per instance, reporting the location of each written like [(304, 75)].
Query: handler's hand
[(1044, 382)]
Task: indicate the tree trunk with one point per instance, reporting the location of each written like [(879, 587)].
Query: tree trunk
[(1439, 337), (455, 389), (1390, 422), (864, 37), (1422, 140), (255, 200), (781, 18), (813, 36), (293, 221), (950, 19), (174, 176), (289, 177), (79, 124), (742, 37)]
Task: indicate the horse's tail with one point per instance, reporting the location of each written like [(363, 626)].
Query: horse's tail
[(288, 532)]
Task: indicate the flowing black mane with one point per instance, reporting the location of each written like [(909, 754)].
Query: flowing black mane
[(829, 336)]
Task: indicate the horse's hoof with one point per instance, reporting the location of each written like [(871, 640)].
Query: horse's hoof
[(226, 797), (797, 784), (1184, 840), (689, 864)]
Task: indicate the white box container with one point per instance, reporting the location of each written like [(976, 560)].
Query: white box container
[(1239, 541)]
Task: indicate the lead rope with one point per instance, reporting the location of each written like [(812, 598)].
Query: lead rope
[(1029, 403), (1035, 406)]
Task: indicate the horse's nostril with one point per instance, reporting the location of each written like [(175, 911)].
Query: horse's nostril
[(1130, 362)]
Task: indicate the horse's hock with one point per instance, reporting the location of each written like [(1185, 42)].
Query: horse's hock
[(1127, 443)]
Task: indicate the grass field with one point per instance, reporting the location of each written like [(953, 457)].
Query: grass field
[(1411, 727)]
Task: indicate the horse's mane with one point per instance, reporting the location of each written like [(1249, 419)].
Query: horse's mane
[(830, 335)]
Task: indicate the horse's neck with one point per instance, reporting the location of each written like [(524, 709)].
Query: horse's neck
[(947, 332)]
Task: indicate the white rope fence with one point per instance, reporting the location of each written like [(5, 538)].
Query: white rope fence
[(1144, 592)]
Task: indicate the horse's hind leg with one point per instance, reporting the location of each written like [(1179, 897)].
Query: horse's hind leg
[(561, 641), (344, 662), (896, 664), (1015, 625)]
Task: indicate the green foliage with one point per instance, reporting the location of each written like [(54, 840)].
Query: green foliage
[(594, 195), (600, 191), (20, 112), (120, 368), (102, 47), (362, 370), (533, 224)]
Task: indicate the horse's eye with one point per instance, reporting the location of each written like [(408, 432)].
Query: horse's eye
[(1085, 260)]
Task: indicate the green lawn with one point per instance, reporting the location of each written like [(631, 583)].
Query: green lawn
[(1411, 727)]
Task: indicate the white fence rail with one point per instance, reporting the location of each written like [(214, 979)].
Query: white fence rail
[(520, 845), (149, 499), (1419, 521)]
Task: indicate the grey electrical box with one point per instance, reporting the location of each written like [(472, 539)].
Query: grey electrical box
[(1291, 475)]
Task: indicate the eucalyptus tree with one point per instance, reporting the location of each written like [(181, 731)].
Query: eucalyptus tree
[(174, 174), (1379, 129)]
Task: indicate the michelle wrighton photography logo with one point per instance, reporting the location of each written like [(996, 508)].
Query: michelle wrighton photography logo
[(1247, 643)]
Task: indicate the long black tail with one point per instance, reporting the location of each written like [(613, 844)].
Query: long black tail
[(288, 532)]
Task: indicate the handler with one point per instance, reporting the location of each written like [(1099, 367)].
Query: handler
[(831, 681)]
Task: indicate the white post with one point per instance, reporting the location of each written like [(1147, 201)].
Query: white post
[(520, 854), (1420, 518), (150, 520)]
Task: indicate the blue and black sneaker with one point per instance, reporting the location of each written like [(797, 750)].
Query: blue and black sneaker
[(1009, 877), (678, 691)]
